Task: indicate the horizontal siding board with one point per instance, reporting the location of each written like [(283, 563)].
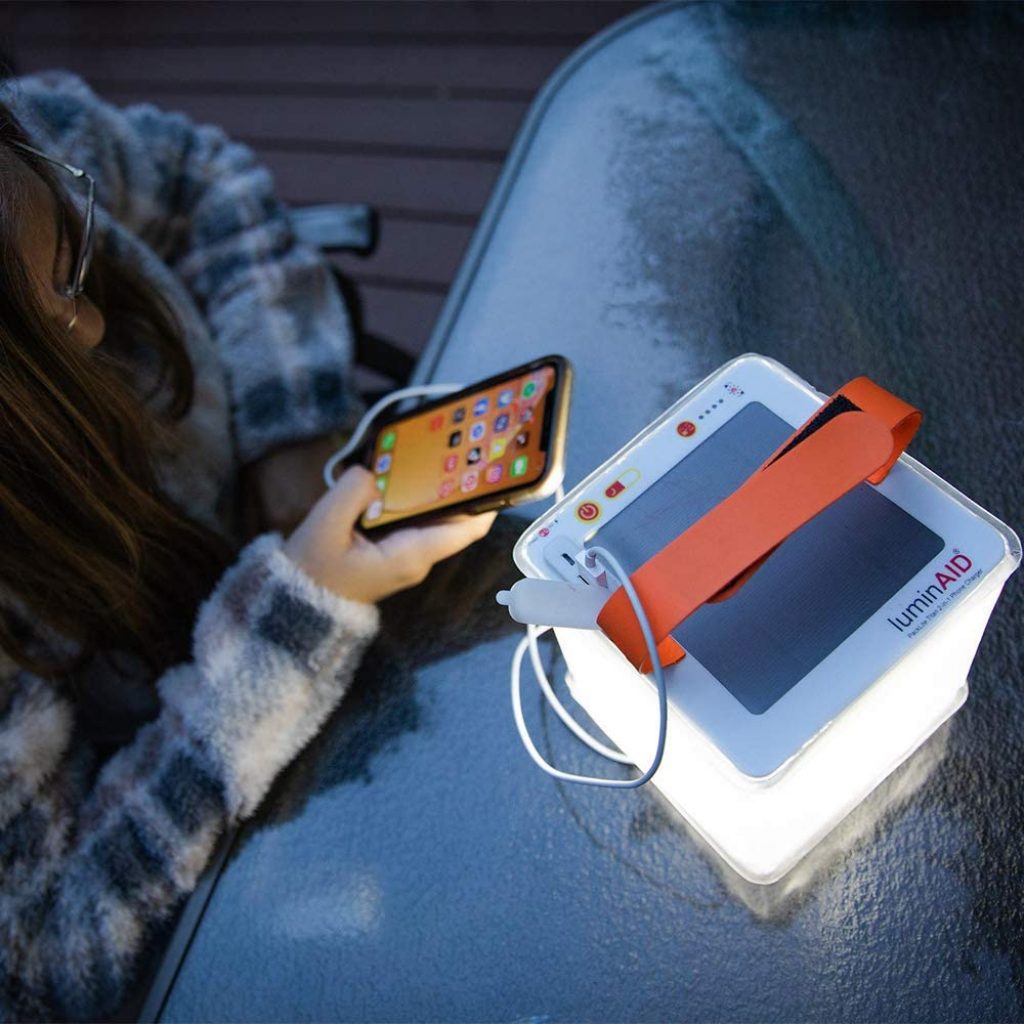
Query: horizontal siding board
[(439, 67), (571, 21), (408, 106), (412, 251), (435, 186), (429, 123)]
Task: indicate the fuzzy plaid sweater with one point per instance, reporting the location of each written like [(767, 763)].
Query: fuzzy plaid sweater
[(92, 856)]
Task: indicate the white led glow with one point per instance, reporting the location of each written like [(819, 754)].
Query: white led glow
[(831, 759), (762, 827)]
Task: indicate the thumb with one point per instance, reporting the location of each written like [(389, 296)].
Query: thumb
[(349, 498)]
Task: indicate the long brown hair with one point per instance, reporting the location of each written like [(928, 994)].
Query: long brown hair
[(90, 546)]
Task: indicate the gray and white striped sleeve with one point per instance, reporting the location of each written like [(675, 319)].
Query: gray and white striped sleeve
[(88, 870)]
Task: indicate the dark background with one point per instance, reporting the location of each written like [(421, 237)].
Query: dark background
[(408, 106), (835, 186)]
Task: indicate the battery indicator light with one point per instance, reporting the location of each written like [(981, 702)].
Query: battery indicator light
[(627, 479)]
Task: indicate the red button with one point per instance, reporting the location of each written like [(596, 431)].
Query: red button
[(588, 511), (616, 488), (687, 428)]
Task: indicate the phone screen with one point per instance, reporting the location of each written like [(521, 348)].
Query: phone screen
[(482, 443)]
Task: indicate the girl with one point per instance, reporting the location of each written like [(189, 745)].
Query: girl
[(160, 329)]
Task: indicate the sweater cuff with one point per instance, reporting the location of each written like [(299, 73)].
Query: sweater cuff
[(350, 620), (266, 601), (274, 652)]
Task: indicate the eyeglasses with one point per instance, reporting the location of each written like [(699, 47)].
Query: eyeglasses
[(76, 283)]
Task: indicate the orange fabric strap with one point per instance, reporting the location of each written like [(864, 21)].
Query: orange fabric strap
[(857, 435)]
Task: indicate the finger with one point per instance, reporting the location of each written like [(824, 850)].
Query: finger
[(350, 497), (429, 544), (480, 522), (461, 530)]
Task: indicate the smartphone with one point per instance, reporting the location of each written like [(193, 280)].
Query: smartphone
[(497, 443)]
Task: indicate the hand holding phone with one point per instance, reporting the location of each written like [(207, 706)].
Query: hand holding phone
[(329, 549), (496, 443)]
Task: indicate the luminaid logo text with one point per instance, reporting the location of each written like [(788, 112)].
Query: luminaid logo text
[(949, 573)]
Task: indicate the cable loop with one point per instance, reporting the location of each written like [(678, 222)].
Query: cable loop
[(529, 642), (415, 391)]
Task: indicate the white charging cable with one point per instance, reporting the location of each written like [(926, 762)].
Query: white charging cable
[(610, 562), (529, 642), (417, 391), (533, 634)]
